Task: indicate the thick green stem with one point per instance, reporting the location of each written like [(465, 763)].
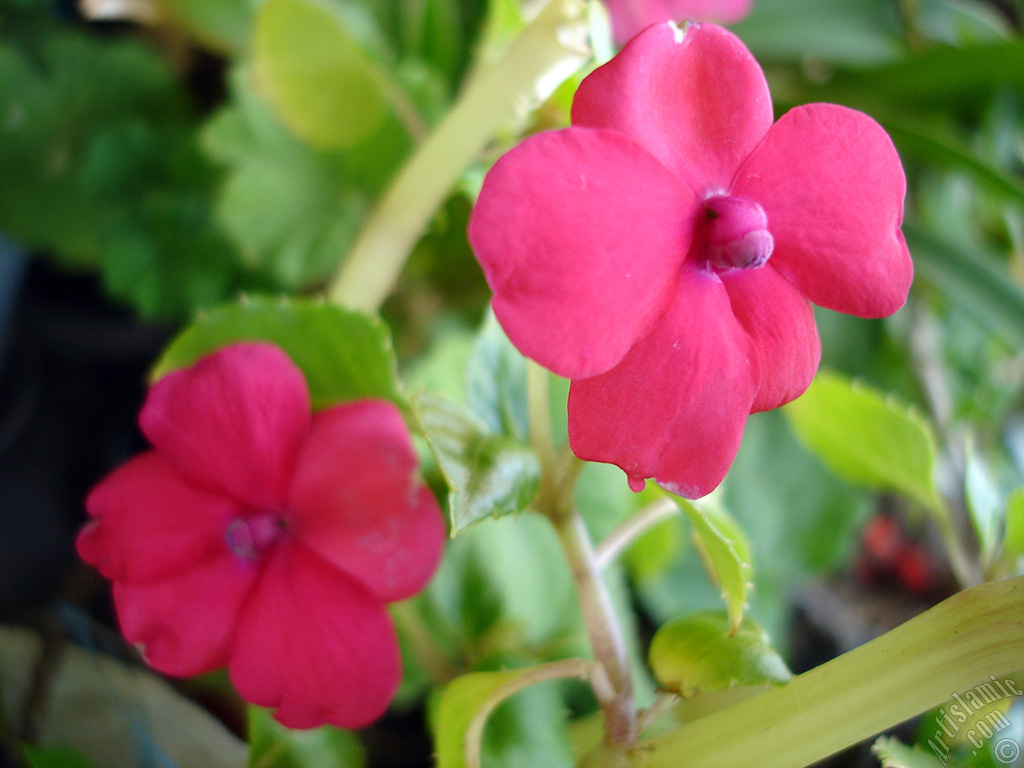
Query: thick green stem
[(949, 649), (550, 49), (615, 692)]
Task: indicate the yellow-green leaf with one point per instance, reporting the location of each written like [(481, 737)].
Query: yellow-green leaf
[(726, 554), (867, 438), (468, 701), (326, 89), (701, 652)]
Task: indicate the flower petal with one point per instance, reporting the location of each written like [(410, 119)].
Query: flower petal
[(314, 644), (148, 524), (232, 423), (631, 16), (695, 98), (186, 623), (781, 323), (675, 407), (356, 500), (832, 186), (580, 234)]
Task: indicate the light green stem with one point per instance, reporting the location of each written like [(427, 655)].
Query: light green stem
[(632, 528), (949, 649), (615, 693), (550, 49)]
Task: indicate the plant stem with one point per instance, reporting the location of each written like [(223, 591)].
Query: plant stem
[(632, 527), (616, 695), (966, 572), (949, 649), (548, 50), (555, 670)]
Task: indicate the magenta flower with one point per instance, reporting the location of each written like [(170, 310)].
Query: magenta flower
[(631, 16), (661, 251), (263, 538)]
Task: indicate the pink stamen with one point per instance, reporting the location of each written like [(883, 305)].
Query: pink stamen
[(249, 537), (736, 234)]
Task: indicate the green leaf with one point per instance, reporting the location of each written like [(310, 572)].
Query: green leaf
[(102, 171), (271, 745), (496, 382), (893, 753), (867, 438), (222, 25), (468, 701), (942, 74), (832, 31), (704, 652), (344, 355), (980, 286), (939, 148), (726, 554), (55, 757), (489, 475), (292, 211), (484, 595), (983, 504), (1013, 540), (325, 87)]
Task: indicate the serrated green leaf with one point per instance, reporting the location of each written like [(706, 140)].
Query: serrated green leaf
[(892, 753), (726, 554), (489, 475), (292, 211), (468, 701), (344, 355), (326, 88), (487, 586), (271, 745), (496, 382), (704, 652), (102, 171), (867, 438)]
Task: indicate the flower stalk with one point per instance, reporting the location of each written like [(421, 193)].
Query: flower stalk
[(616, 695), (630, 529)]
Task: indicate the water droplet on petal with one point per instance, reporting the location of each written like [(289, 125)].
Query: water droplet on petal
[(636, 484)]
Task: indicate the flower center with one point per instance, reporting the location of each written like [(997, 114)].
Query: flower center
[(734, 233), (249, 537)]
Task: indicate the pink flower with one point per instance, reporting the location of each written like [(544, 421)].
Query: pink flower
[(661, 251), (631, 16), (258, 536)]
